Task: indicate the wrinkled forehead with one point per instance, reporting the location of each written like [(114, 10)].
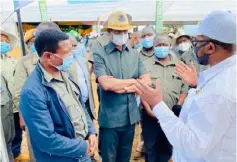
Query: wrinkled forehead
[(162, 40), (147, 30)]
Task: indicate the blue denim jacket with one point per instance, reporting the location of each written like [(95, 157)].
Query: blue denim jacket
[(51, 131)]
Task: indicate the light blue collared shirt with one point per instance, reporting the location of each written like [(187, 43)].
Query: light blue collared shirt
[(82, 84), (206, 128), (82, 49)]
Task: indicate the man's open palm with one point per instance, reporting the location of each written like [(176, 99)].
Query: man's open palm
[(150, 95), (187, 73)]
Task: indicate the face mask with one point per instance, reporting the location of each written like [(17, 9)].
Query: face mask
[(120, 39), (202, 60), (162, 52), (5, 48), (67, 62), (32, 48), (137, 45), (147, 42), (183, 47)]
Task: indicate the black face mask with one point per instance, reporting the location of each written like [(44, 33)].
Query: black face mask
[(202, 60)]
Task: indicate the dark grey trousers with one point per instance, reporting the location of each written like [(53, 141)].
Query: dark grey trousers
[(116, 143), (157, 147)]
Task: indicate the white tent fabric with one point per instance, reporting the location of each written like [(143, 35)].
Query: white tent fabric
[(142, 11)]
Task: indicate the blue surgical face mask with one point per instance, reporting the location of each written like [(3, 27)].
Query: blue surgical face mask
[(162, 52), (5, 48), (32, 48), (67, 62), (139, 45), (147, 42)]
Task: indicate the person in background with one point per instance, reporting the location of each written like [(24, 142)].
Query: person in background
[(135, 41), (184, 51), (7, 117), (50, 95), (84, 82), (29, 39), (146, 55), (8, 41), (8, 64), (206, 127), (117, 66), (24, 68), (157, 147), (79, 47), (147, 52), (83, 79), (182, 44)]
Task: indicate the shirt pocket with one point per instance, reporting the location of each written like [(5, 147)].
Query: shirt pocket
[(176, 86)]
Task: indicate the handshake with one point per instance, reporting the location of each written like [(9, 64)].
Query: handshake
[(134, 87)]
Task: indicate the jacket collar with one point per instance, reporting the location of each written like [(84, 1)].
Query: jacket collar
[(46, 81)]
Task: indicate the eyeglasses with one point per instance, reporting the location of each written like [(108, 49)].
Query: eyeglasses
[(215, 42), (195, 42)]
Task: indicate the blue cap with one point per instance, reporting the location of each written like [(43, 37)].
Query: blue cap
[(220, 25), (191, 30)]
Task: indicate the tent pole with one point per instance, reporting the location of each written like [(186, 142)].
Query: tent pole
[(21, 32), (98, 25), (159, 16)]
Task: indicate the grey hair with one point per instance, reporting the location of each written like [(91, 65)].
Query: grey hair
[(148, 29), (162, 38)]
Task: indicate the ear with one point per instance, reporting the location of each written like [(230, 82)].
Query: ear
[(210, 48), (47, 55)]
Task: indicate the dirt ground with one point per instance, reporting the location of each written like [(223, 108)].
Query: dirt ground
[(24, 143)]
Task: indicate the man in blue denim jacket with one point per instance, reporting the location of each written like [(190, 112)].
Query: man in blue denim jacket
[(59, 126)]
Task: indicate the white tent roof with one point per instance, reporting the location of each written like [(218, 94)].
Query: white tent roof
[(142, 11)]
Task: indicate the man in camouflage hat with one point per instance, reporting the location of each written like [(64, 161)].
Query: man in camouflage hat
[(117, 66)]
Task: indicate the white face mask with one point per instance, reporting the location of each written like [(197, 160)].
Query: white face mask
[(184, 46), (120, 39)]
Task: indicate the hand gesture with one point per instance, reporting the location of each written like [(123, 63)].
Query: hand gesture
[(187, 73), (150, 95)]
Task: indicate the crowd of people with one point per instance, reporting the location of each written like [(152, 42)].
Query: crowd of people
[(180, 91)]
